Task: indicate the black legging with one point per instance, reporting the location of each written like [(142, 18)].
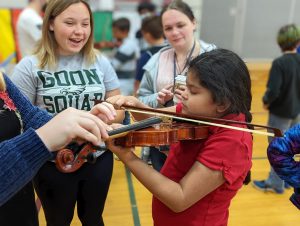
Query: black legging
[(87, 186), (20, 209), (157, 158)]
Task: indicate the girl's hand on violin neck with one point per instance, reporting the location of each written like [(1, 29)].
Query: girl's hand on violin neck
[(72, 124), (120, 151), (105, 111), (123, 153), (120, 101)]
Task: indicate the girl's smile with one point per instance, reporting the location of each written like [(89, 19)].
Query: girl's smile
[(72, 30)]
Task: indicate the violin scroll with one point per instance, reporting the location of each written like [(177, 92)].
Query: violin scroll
[(66, 162)]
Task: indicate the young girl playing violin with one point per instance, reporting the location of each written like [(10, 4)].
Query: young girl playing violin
[(200, 177)]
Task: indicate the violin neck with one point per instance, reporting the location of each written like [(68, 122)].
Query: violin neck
[(135, 126)]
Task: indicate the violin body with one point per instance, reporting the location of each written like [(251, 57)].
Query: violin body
[(157, 135), (163, 134)]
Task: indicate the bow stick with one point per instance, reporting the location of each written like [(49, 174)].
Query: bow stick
[(203, 120)]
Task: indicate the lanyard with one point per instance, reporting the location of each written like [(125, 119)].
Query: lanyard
[(186, 62)]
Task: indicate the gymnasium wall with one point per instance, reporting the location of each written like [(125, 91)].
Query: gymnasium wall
[(248, 27)]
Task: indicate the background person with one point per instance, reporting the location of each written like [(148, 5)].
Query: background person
[(153, 34), (29, 26), (157, 85), (144, 9), (124, 58), (282, 96)]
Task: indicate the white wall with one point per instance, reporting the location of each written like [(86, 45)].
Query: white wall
[(13, 3), (196, 6), (248, 27)]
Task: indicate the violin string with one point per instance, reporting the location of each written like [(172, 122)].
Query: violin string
[(203, 122)]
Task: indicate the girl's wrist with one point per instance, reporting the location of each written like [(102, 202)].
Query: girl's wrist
[(126, 155)]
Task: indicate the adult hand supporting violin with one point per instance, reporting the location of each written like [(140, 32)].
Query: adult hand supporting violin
[(70, 125), (105, 111), (119, 101), (76, 125)]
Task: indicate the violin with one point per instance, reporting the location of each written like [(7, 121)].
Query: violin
[(139, 134), (149, 132), (163, 134)]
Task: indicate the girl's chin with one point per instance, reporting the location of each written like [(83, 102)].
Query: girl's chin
[(178, 43), (71, 51), (75, 48)]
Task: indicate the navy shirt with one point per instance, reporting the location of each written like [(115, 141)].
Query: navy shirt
[(145, 56)]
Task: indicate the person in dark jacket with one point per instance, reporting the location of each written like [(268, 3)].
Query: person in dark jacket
[(282, 96)]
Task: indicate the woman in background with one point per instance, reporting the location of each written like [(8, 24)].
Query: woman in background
[(157, 87)]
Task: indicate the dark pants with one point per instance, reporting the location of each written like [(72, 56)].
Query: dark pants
[(157, 158), (20, 210), (87, 186)]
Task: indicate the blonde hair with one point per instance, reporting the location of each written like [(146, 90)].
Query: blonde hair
[(2, 82), (46, 50)]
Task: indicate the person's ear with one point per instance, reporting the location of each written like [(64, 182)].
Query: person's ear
[(51, 28), (195, 24), (147, 36), (221, 108)]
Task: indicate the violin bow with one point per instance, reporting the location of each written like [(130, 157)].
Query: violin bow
[(205, 120)]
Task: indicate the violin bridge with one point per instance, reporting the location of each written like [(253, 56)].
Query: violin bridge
[(166, 119)]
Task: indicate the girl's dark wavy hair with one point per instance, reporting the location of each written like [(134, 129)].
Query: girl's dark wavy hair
[(227, 77)]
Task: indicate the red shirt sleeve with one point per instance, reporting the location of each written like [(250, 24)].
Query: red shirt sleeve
[(230, 152)]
